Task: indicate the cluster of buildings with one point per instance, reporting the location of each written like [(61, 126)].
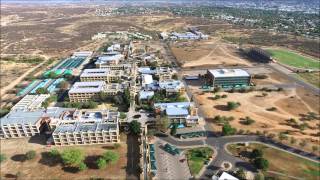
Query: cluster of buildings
[(191, 34), (124, 35), (68, 126), (109, 76)]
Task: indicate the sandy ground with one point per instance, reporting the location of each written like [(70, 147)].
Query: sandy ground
[(288, 103), (40, 168), (209, 52)]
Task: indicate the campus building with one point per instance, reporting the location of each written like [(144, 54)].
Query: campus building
[(30, 102), (87, 127), (172, 86), (22, 123), (111, 58), (71, 126), (85, 91), (105, 75), (228, 78), (179, 112)]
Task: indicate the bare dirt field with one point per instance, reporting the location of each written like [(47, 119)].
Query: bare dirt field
[(208, 52), (254, 105), (290, 103), (42, 168)]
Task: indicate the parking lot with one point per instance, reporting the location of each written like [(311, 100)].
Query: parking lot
[(169, 166)]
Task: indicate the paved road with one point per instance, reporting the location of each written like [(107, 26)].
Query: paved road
[(220, 142), (292, 77)]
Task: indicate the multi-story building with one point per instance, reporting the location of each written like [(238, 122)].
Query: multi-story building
[(87, 127), (172, 86), (30, 102), (111, 58), (179, 112), (86, 91), (228, 78), (105, 75), (71, 126), (114, 66), (27, 123)]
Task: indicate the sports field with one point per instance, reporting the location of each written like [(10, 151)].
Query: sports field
[(293, 59)]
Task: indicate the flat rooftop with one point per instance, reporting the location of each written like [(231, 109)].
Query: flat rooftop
[(31, 117), (164, 106), (229, 73), (85, 127), (94, 73), (176, 111), (88, 87)]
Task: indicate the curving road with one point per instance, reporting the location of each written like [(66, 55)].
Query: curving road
[(220, 142)]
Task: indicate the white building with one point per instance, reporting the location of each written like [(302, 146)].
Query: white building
[(30, 102)]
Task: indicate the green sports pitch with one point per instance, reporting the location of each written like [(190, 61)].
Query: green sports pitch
[(294, 59)]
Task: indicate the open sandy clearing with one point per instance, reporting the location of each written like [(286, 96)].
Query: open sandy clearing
[(211, 52), (254, 105)]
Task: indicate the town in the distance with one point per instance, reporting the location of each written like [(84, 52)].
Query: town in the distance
[(159, 92)]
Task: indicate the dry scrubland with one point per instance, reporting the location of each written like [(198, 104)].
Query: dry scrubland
[(209, 52), (43, 167), (291, 103)]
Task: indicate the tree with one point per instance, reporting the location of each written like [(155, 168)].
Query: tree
[(42, 91), (261, 163), (116, 146), (248, 121), (293, 140), (72, 157), (314, 148), (241, 174), (64, 85), (162, 123), (174, 129), (228, 130), (2, 158), (175, 76), (303, 143), (135, 127), (101, 163), (111, 157), (30, 155), (232, 105), (82, 166), (54, 153), (282, 136), (122, 115), (256, 153)]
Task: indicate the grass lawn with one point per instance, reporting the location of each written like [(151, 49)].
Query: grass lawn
[(293, 59), (197, 157), (283, 162), (312, 78)]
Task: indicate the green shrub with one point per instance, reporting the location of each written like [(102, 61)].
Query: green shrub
[(232, 105), (54, 153), (82, 166), (2, 158), (261, 163), (101, 163), (228, 130), (72, 157), (30, 155), (111, 157)]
